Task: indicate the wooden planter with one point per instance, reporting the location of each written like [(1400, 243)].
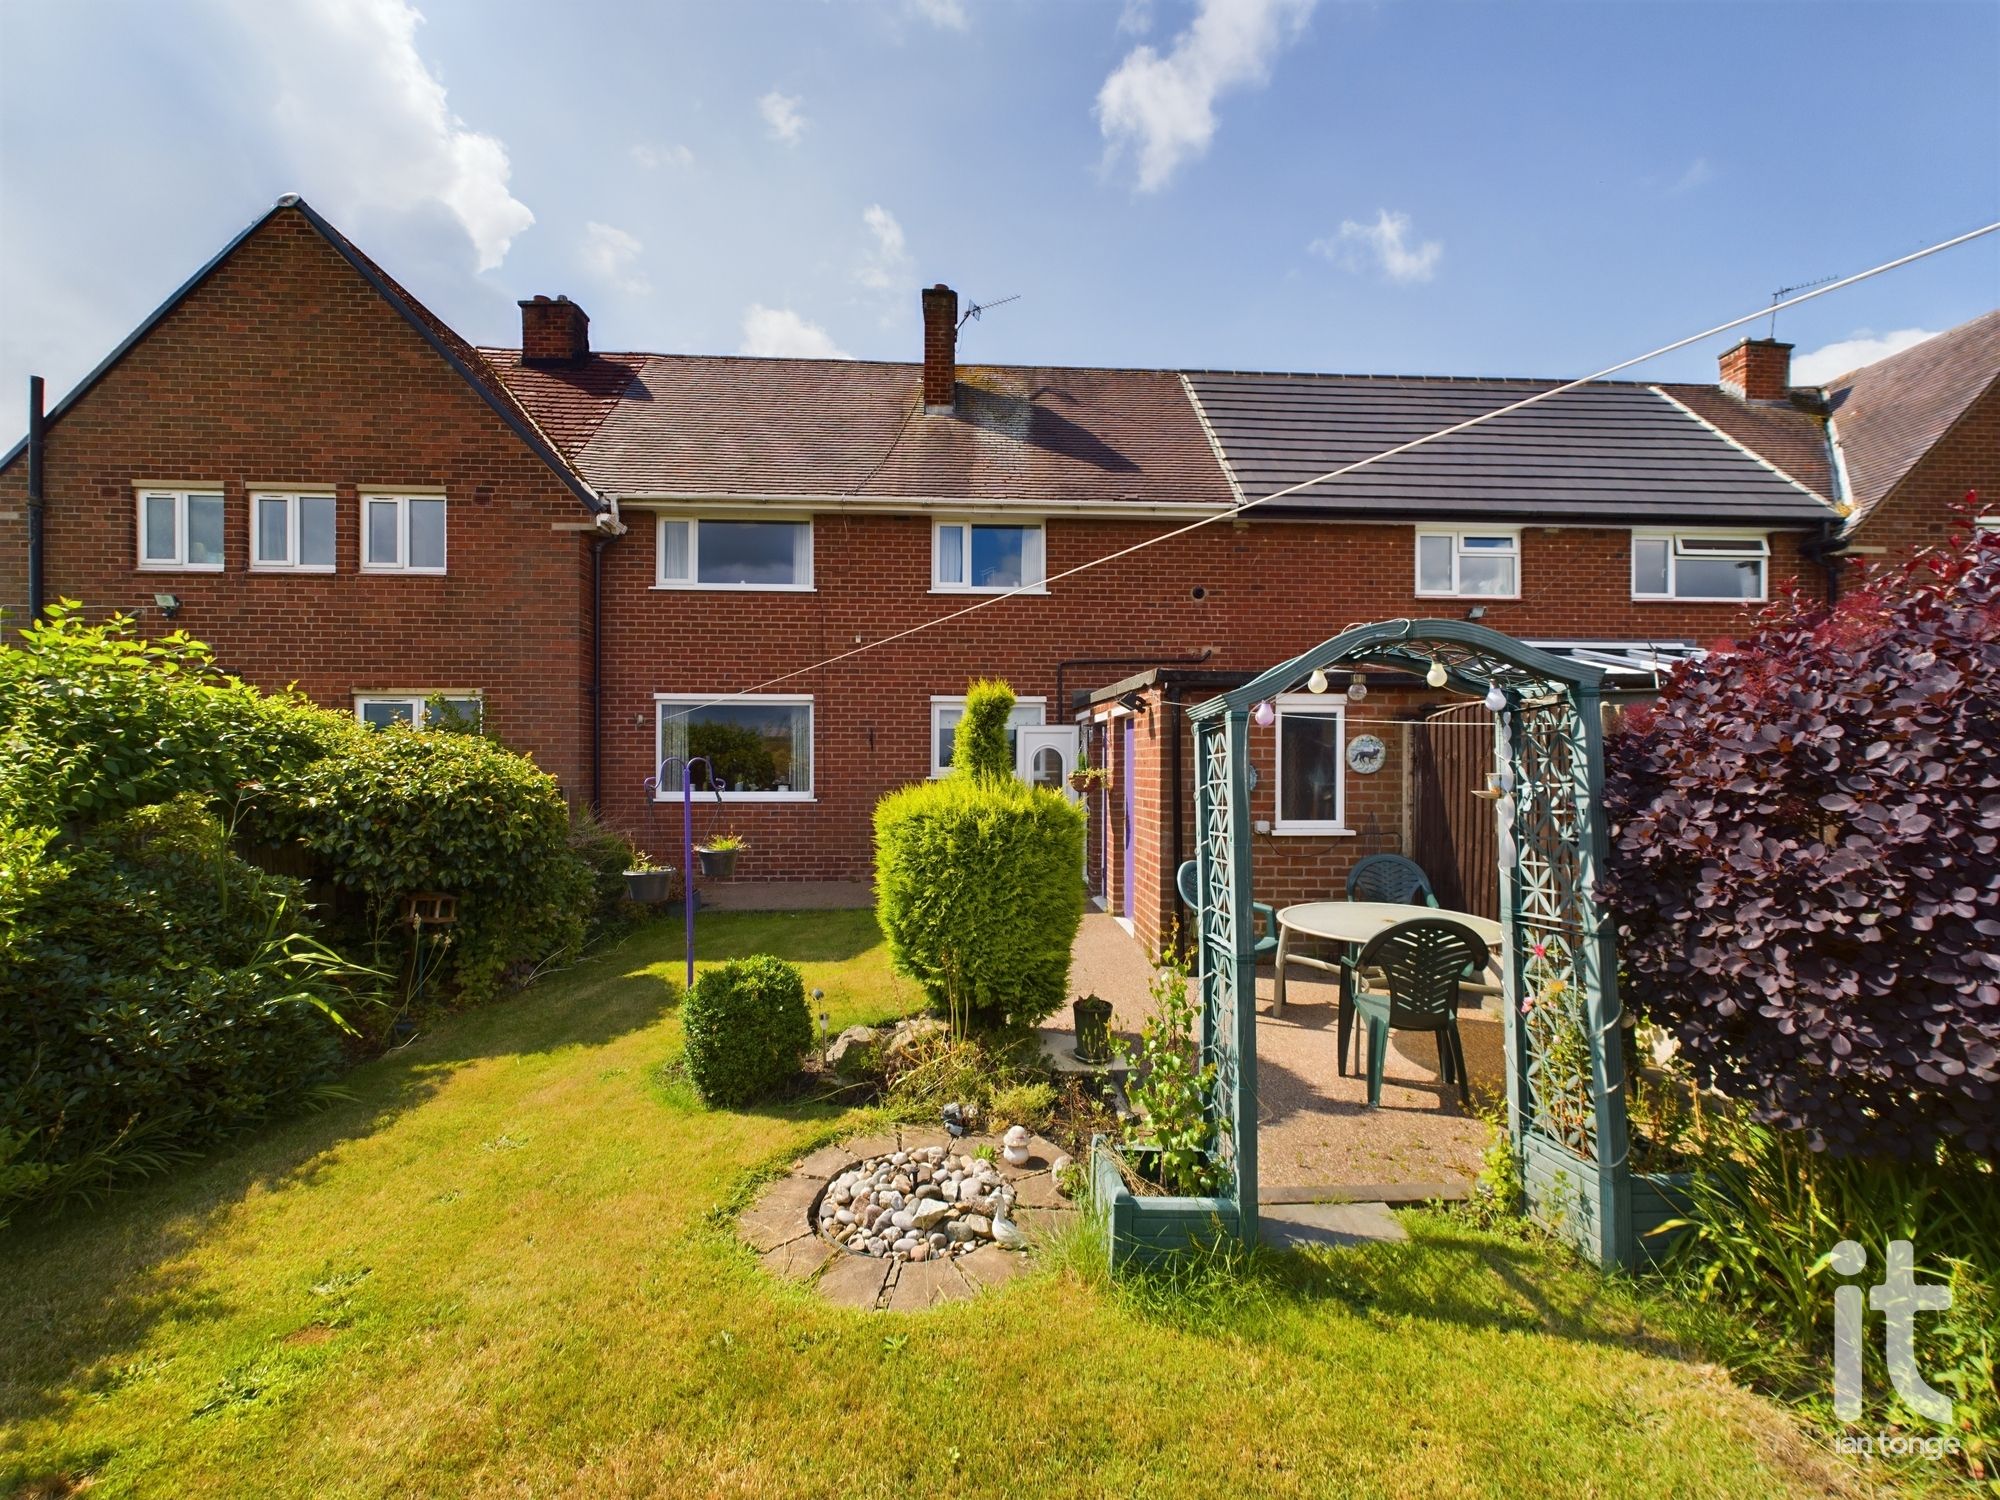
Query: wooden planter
[(1142, 1231), (717, 864), (649, 886), (1563, 1197)]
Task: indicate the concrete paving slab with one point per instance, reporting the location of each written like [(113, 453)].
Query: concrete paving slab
[(798, 1259), (853, 1281), (991, 1267), (1303, 1225), (926, 1283), (826, 1163)]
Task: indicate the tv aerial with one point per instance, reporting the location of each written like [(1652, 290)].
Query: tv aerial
[(1785, 291), (975, 309)]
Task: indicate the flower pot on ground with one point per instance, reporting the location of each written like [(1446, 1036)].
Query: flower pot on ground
[(1093, 1029)]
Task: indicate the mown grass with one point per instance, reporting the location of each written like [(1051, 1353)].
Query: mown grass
[(498, 1269)]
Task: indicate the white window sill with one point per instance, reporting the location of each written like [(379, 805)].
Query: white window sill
[(295, 568), (701, 797), (1472, 598), (1310, 831), (1037, 589), (1696, 599), (166, 567), (386, 572), (734, 588)]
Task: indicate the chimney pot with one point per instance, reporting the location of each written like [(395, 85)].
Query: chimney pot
[(1757, 370), (940, 347), (554, 331)]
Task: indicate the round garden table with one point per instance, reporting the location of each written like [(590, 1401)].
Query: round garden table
[(1354, 923)]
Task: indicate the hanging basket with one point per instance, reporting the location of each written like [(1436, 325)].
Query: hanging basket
[(649, 886), (717, 864)]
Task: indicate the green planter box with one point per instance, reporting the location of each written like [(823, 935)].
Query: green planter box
[(1562, 1192), (1144, 1230)]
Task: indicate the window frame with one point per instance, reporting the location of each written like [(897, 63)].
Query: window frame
[(180, 495), (966, 524), (401, 500), (1309, 706), (291, 564), (1745, 545), (945, 701), (664, 701), (419, 701), (1458, 534), (693, 584)]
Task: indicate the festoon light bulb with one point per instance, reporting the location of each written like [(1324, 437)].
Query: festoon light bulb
[(1435, 676), (1495, 699), (1317, 682), (1264, 716)]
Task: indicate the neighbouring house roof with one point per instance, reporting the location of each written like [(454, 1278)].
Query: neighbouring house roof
[(1889, 414), (455, 351), (1788, 434), (1604, 452), (689, 425)]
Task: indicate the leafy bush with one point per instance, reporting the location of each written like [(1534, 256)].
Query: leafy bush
[(979, 890), (979, 744), (607, 854), (1805, 863), (160, 992), (1030, 1105), (1173, 1091), (747, 1027)]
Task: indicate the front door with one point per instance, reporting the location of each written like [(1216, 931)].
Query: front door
[(1044, 755)]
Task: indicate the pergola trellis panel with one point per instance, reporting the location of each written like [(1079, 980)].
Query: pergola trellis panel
[(1565, 1068)]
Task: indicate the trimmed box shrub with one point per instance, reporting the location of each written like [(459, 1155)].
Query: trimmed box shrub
[(747, 1028)]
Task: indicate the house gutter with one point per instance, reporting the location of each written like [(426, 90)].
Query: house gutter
[(37, 501)]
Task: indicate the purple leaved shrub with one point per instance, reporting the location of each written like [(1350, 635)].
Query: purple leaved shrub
[(1805, 861)]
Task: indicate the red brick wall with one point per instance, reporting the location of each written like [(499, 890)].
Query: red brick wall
[(286, 368), (1270, 589), (1922, 510)]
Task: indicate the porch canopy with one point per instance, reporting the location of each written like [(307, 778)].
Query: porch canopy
[(1565, 1070)]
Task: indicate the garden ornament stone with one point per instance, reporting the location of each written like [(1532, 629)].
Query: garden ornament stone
[(1014, 1146)]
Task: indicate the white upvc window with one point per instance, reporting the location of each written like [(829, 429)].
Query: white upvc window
[(986, 557), (180, 529), (946, 712), (1469, 564), (758, 746), (430, 708), (292, 532), (725, 552), (402, 533), (1311, 782), (1722, 567)]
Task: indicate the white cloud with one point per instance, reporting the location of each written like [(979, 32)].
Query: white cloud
[(888, 265), (778, 331), (1163, 107), (782, 117), (649, 156), (1697, 173), (1863, 347), (612, 255), (393, 144), (1135, 17), (949, 14), (1385, 244)]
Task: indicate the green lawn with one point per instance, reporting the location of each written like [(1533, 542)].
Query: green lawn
[(497, 1270)]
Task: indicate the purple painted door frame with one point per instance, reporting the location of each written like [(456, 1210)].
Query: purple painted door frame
[(1129, 778)]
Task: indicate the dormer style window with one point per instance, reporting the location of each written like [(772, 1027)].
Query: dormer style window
[(716, 552), (980, 557), (1475, 564), (291, 532), (180, 530), (1692, 566), (402, 533)]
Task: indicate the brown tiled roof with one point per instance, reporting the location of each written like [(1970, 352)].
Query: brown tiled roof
[(1788, 436), (570, 402), (725, 425), (1889, 414)]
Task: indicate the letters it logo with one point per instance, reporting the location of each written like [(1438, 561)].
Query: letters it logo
[(1899, 1299)]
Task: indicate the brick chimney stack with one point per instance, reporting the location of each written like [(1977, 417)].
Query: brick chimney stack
[(1758, 370), (554, 331), (940, 347)]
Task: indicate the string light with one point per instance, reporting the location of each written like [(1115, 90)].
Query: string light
[(1495, 699), (1356, 689), (1435, 676), (1264, 715), (1317, 682)]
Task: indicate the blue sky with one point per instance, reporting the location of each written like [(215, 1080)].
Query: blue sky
[(1461, 189)]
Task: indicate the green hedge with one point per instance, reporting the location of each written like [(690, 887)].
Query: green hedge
[(979, 890), (747, 1028)]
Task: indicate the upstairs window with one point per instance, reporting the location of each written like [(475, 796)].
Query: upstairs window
[(707, 552), (758, 747), (946, 712), (974, 557), (402, 533), (1685, 565), (1482, 564), (181, 529), (292, 531), (432, 710)]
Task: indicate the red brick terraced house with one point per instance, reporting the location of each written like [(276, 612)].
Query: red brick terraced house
[(620, 558)]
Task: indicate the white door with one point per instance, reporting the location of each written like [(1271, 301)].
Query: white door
[(1044, 755)]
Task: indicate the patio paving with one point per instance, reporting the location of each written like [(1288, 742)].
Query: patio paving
[(1315, 1132)]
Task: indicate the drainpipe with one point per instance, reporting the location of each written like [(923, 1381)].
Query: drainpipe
[(610, 528), (37, 442), (1827, 550)]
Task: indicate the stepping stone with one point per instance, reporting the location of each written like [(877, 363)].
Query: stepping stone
[(1038, 1190), (1302, 1225), (827, 1162), (922, 1137), (798, 1259), (926, 1283), (781, 1212), (853, 1281), (864, 1146), (1040, 1222), (990, 1267)]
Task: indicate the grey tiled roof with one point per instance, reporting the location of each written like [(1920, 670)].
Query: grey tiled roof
[(1605, 452)]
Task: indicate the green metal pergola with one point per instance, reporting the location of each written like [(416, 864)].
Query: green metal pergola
[(1565, 1068)]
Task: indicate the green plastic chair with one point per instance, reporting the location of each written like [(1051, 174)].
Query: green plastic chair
[(1406, 979), (1185, 880), (1390, 877)]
